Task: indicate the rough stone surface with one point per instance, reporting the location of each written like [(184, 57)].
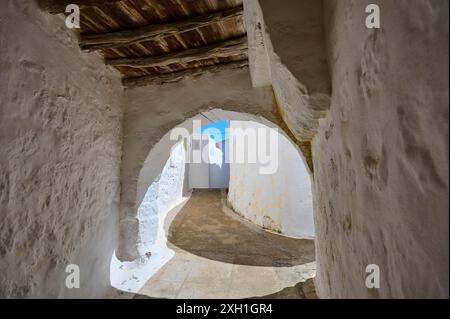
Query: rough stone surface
[(60, 138), (381, 156)]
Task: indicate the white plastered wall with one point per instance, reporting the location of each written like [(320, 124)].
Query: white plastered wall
[(273, 192), (60, 137), (381, 152), (381, 155)]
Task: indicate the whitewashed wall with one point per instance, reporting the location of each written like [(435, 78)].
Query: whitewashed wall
[(381, 155), (280, 201), (380, 151), (60, 149)]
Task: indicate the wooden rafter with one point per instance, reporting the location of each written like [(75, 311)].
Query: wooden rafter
[(155, 32), (231, 48), (178, 76), (132, 57)]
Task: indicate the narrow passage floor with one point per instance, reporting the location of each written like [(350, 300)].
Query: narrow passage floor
[(219, 255)]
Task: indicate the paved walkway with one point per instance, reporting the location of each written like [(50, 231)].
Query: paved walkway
[(218, 255)]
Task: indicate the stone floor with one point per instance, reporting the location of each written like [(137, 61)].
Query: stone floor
[(219, 255)]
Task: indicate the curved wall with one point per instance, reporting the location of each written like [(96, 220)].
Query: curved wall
[(280, 201)]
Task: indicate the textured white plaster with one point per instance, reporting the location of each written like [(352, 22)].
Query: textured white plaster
[(257, 52), (163, 194), (60, 137), (287, 51), (381, 155)]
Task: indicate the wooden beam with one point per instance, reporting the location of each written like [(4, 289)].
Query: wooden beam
[(185, 74), (230, 48), (59, 6), (155, 32)]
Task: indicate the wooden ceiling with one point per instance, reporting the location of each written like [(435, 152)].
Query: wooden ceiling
[(161, 41)]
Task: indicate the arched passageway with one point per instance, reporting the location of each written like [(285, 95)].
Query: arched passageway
[(263, 198)]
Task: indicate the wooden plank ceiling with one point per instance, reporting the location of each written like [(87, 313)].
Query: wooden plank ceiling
[(160, 41)]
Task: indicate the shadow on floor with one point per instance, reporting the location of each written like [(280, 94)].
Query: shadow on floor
[(302, 290), (203, 229)]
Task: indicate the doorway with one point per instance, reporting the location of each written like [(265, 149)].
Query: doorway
[(209, 167)]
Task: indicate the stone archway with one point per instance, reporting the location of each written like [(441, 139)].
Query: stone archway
[(273, 202), (153, 165), (152, 111)]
